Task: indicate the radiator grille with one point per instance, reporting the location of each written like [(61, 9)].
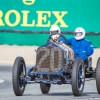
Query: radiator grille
[(49, 59)]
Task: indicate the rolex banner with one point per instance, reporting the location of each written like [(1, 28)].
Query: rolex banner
[(40, 15)]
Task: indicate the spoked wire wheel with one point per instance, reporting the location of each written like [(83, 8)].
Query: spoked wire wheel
[(78, 77), (18, 74)]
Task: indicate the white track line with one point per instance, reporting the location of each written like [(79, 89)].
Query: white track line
[(1, 81)]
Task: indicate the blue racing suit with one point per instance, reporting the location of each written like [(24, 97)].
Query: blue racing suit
[(82, 48)]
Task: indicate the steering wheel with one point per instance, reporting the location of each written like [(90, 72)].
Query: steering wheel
[(65, 40)]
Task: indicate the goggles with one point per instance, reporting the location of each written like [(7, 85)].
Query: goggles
[(78, 34), (54, 32)]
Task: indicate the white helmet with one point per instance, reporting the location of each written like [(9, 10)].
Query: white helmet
[(55, 32), (81, 31)]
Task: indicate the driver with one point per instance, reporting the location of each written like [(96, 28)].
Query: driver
[(56, 35), (82, 47)]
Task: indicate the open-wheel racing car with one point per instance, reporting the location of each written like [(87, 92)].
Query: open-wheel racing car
[(55, 64)]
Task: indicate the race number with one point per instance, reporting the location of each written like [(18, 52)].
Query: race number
[(47, 53), (49, 59)]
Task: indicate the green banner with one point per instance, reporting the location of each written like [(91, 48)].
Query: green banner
[(42, 14), (37, 39)]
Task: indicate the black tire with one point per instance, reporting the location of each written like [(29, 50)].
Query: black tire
[(45, 88), (19, 69), (98, 75), (78, 77)]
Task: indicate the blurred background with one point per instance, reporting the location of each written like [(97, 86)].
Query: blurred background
[(24, 25)]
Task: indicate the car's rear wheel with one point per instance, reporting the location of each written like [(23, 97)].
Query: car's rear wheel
[(98, 75), (78, 77), (45, 88), (18, 74)]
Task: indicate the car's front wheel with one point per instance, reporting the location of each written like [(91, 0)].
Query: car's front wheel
[(78, 77), (98, 75), (18, 73)]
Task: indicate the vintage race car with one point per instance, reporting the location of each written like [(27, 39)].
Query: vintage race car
[(55, 64)]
